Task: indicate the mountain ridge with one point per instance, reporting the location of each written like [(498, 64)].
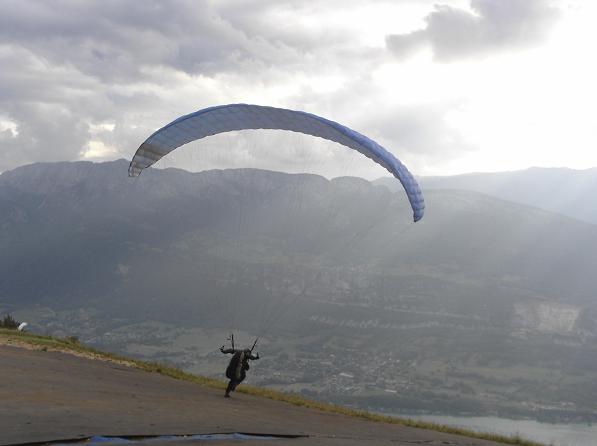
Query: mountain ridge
[(562, 190)]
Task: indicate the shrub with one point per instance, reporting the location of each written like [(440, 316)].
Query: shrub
[(9, 322)]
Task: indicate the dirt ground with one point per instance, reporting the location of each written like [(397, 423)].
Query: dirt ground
[(46, 396)]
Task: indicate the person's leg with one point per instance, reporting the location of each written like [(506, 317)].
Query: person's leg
[(238, 381), (230, 388)]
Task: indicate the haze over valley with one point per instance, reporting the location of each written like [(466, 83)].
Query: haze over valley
[(486, 306)]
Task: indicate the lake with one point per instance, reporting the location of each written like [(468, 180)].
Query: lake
[(548, 433)]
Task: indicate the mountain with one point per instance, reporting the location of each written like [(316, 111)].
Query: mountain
[(561, 190), (483, 306)]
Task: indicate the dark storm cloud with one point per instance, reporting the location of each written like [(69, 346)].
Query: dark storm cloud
[(50, 107), (491, 26), (114, 40), (46, 132), (66, 64), (69, 64)]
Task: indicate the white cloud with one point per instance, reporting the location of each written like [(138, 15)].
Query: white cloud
[(97, 150), (94, 79), (8, 129), (489, 26), (100, 127)]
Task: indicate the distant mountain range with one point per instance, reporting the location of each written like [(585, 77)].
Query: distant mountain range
[(561, 190), (469, 302), (68, 226)]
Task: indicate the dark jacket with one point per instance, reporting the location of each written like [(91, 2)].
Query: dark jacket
[(239, 363)]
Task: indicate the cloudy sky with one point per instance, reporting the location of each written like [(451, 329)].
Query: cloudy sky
[(449, 86)]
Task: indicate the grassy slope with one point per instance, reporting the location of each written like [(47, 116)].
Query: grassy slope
[(45, 343)]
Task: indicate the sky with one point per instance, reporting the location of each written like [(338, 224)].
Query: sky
[(448, 86)]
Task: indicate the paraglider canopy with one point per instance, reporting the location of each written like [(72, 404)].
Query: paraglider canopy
[(226, 118)]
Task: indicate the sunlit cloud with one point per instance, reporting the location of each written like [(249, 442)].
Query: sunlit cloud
[(9, 129), (97, 150)]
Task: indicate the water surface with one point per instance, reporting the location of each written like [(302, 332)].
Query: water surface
[(547, 433)]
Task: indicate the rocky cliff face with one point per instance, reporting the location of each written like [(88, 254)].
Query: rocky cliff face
[(546, 317)]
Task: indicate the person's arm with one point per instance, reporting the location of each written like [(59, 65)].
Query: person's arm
[(227, 350)]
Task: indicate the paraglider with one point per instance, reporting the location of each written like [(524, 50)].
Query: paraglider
[(237, 369), (226, 118), (234, 117)]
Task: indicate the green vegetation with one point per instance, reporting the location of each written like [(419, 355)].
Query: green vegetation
[(9, 322), (72, 344)]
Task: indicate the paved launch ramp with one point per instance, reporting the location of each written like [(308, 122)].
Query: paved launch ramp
[(52, 397)]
